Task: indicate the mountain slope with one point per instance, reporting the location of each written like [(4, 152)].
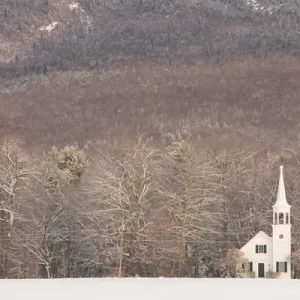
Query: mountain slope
[(88, 69)]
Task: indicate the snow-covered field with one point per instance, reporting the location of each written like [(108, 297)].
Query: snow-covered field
[(154, 289)]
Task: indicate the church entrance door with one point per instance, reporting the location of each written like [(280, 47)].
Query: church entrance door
[(261, 270)]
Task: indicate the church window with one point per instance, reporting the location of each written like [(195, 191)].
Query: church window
[(281, 266), (287, 218), (261, 248), (248, 266), (281, 218)]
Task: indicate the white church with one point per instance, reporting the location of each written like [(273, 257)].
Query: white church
[(265, 254)]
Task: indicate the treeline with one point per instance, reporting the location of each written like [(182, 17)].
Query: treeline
[(130, 206)]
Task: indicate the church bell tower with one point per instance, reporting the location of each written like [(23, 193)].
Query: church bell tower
[(282, 232)]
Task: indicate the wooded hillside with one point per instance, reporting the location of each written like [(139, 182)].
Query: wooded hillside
[(149, 67)]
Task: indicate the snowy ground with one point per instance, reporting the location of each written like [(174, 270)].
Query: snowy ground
[(154, 289)]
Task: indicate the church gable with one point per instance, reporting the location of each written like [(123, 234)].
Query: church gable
[(260, 243)]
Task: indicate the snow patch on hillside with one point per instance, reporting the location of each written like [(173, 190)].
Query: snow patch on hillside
[(84, 17), (74, 5), (49, 27), (256, 6)]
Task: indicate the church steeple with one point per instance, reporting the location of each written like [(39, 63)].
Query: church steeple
[(281, 232), (281, 209), (281, 197)]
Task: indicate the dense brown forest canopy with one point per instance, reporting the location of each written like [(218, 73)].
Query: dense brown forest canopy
[(149, 66), (180, 113)]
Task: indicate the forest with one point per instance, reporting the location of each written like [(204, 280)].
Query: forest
[(144, 137), (133, 207)]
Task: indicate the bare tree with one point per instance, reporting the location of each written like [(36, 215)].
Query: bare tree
[(234, 264), (193, 204), (121, 204), (16, 169), (51, 212)]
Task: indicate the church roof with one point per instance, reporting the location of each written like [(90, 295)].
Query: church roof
[(259, 235), (281, 197)]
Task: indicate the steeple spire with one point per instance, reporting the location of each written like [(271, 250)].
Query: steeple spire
[(281, 197)]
